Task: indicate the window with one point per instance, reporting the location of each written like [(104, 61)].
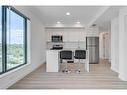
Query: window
[(1, 39), (12, 38), (15, 39)]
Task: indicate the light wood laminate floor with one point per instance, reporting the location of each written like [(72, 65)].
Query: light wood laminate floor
[(99, 77)]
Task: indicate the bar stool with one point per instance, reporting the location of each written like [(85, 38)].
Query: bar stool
[(79, 54), (66, 55)]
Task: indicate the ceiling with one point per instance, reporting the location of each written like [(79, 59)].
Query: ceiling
[(49, 15), (104, 21), (86, 15)]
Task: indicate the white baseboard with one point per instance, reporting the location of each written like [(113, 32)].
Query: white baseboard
[(114, 69), (122, 78), (13, 77)]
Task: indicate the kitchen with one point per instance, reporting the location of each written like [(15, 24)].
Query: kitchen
[(70, 38)]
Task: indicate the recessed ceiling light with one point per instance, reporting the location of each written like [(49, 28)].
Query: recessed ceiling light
[(78, 22), (58, 22), (68, 13)]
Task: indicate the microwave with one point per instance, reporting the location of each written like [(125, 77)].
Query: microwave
[(57, 38)]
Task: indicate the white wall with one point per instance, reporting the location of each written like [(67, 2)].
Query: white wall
[(123, 44), (101, 46), (119, 44), (110, 45), (36, 54), (115, 44)]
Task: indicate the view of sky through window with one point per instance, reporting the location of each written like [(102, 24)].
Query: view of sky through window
[(15, 27)]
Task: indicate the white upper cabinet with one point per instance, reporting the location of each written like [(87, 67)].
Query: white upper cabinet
[(65, 36), (69, 35), (72, 35), (94, 31)]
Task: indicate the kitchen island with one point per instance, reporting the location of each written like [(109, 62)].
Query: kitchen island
[(53, 61)]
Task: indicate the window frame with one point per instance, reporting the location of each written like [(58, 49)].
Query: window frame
[(4, 35)]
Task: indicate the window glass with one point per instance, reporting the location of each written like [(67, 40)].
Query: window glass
[(0, 38), (15, 39)]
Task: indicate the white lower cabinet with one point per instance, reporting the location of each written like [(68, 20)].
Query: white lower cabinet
[(52, 61)]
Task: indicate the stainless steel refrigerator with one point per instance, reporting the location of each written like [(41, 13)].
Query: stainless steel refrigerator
[(92, 44)]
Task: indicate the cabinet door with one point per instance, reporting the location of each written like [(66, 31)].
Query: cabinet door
[(74, 36), (92, 32), (65, 36), (81, 36)]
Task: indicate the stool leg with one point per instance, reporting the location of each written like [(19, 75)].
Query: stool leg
[(79, 66), (66, 69), (78, 69)]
